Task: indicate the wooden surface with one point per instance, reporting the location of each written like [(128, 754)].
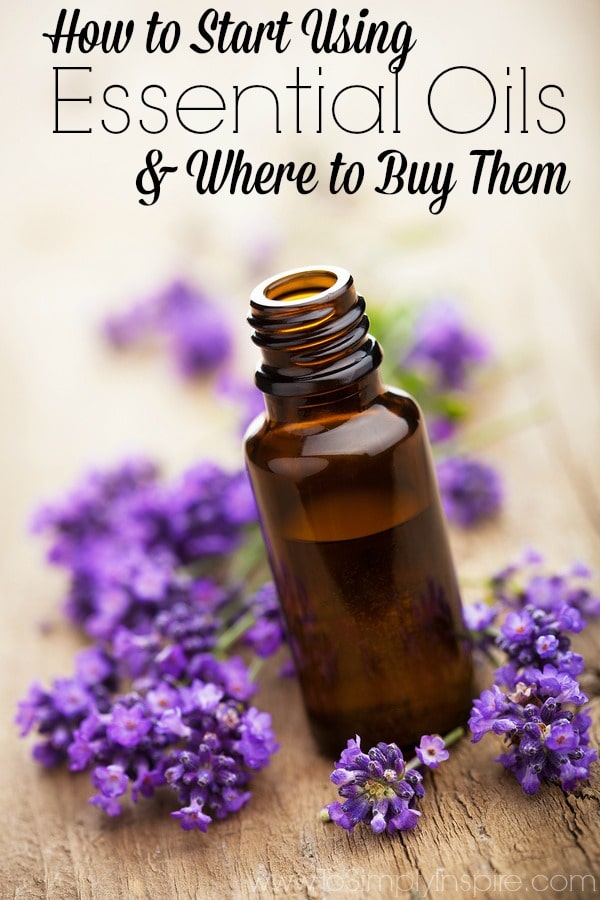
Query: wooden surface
[(527, 269)]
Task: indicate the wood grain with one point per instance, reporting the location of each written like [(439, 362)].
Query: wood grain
[(478, 832)]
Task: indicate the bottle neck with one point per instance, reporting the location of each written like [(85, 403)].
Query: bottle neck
[(346, 400), (312, 330)]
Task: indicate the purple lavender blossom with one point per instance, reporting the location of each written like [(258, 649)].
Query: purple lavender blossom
[(111, 780), (226, 741), (71, 698), (432, 750), (535, 610), (479, 616), (124, 537), (198, 739), (378, 788), (124, 748), (231, 674), (266, 636), (57, 713), (440, 428), (128, 725), (257, 742), (94, 666), (200, 337), (489, 713), (518, 627), (192, 816), (128, 327), (86, 742), (471, 491), (545, 741), (531, 637), (127, 540), (87, 512), (197, 334), (532, 702), (208, 510), (444, 347), (525, 583)]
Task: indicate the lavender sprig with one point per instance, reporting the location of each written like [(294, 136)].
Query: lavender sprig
[(126, 539), (197, 335), (379, 788), (535, 703), (157, 701), (546, 739)]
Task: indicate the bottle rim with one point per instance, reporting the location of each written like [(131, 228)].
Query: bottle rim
[(303, 287)]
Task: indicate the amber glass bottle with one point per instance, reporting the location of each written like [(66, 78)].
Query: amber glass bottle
[(341, 470)]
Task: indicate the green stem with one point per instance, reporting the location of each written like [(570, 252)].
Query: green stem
[(472, 581), (489, 433), (492, 658), (235, 631), (255, 667), (250, 560), (454, 736)]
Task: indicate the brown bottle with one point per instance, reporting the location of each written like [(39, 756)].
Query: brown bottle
[(341, 470)]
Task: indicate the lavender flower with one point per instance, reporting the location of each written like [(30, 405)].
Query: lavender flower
[(479, 616), (125, 536), (432, 751), (378, 787), (471, 491), (124, 748), (192, 816), (200, 338), (129, 327), (128, 725), (440, 428), (180, 638), (55, 714), (198, 739), (94, 667), (533, 613), (545, 741), (112, 782), (532, 637), (267, 634), (226, 742), (132, 544), (524, 582), (444, 348), (532, 702), (197, 334), (231, 674), (257, 741), (208, 509), (88, 511), (534, 608)]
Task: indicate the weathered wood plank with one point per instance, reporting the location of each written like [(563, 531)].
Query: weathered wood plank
[(478, 829)]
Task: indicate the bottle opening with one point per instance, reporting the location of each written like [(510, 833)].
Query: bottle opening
[(301, 286)]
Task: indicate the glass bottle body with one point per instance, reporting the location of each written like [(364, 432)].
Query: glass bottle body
[(359, 552), (348, 502)]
